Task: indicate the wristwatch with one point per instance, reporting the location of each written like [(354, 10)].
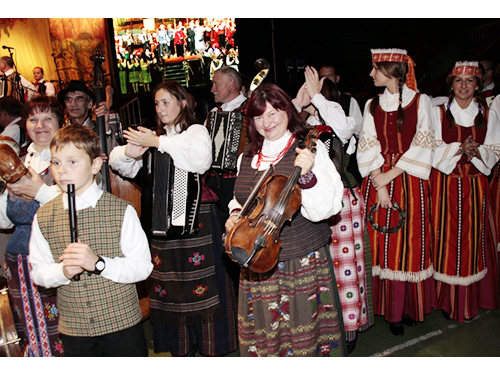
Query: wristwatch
[(99, 266)]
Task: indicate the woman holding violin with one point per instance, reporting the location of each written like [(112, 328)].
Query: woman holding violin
[(33, 307), (292, 309)]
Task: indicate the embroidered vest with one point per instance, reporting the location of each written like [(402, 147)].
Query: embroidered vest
[(301, 236), (392, 142), (93, 306), (458, 133)]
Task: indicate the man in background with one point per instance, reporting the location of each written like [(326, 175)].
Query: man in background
[(42, 86)]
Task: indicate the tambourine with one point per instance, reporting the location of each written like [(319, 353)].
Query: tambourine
[(385, 230), (11, 166)]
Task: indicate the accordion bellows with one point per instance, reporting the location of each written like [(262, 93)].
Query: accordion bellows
[(228, 133)]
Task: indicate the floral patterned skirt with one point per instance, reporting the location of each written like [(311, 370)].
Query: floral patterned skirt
[(349, 249), (34, 309), (192, 298), (293, 310)]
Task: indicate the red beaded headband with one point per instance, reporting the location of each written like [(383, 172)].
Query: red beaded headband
[(397, 55), (466, 67)]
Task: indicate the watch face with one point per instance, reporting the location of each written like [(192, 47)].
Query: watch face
[(99, 265)]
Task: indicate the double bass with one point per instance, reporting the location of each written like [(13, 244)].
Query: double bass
[(112, 182), (254, 240)]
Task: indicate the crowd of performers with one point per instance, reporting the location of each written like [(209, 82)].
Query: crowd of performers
[(142, 54), (404, 223)]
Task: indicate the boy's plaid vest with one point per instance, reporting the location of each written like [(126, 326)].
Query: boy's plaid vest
[(93, 306)]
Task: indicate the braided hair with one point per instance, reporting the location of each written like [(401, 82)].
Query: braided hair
[(396, 70)]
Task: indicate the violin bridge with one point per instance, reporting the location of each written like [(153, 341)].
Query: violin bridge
[(271, 224)]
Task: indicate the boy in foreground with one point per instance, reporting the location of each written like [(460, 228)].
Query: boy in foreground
[(100, 313)]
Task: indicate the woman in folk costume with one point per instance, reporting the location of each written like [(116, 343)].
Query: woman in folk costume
[(134, 68), (122, 74), (193, 303), (467, 137), (34, 307), (293, 309), (320, 98), (395, 158), (145, 75)]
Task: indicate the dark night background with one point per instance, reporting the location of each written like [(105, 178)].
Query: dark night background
[(290, 44), (434, 44)]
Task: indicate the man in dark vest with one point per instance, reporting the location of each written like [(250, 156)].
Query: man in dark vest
[(226, 88)]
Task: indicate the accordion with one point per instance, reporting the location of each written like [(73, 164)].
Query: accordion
[(176, 198), (228, 132), (333, 145)]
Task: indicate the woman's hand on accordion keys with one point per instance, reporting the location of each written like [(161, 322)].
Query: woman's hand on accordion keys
[(142, 137)]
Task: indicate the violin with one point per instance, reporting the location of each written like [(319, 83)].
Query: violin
[(254, 240)]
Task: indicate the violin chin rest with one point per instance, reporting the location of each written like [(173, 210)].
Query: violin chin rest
[(240, 255)]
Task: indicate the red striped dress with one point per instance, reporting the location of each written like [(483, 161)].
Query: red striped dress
[(402, 262), (463, 226)]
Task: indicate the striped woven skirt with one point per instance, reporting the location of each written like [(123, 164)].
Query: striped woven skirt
[(34, 309), (292, 310), (465, 256), (348, 250), (495, 198), (192, 299), (402, 261)]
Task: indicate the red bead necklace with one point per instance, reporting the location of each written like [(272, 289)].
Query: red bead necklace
[(274, 158)]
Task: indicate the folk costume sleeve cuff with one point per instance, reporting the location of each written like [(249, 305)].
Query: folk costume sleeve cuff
[(308, 180), (369, 154), (124, 165)]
